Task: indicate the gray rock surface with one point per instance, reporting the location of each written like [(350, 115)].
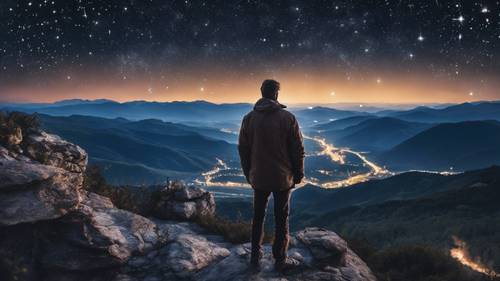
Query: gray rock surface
[(110, 238), (31, 192), (193, 254)]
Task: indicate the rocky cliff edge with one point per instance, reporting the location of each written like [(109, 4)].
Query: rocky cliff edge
[(51, 228)]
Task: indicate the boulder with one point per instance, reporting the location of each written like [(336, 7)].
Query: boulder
[(182, 202), (190, 253), (325, 246), (31, 192), (52, 150), (175, 201), (98, 236), (41, 181)]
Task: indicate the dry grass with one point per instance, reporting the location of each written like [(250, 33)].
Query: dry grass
[(236, 232)]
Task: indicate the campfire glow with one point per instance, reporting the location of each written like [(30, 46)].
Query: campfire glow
[(461, 254)]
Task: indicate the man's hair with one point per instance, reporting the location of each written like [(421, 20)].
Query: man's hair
[(269, 88)]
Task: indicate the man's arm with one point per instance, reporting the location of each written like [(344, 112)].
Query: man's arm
[(244, 149), (297, 152)]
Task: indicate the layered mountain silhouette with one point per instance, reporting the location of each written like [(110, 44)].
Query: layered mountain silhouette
[(409, 139), (460, 146), (372, 134), (138, 110), (343, 123), (146, 151), (197, 110), (321, 114), (454, 113), (405, 186)]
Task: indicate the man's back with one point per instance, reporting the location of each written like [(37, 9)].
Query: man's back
[(270, 147), (272, 158)]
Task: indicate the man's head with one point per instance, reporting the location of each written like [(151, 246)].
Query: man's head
[(270, 89)]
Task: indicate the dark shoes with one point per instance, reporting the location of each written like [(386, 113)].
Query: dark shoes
[(255, 267), (255, 262), (287, 265)]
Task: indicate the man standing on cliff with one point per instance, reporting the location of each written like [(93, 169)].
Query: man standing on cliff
[(272, 158)]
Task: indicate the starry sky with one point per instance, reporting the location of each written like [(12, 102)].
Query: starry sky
[(322, 51)]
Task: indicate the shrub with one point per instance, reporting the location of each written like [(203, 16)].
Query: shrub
[(24, 121), (139, 200), (14, 125), (94, 181), (236, 232)]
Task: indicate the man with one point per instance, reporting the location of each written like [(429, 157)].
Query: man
[(272, 158)]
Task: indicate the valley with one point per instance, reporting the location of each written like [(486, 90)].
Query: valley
[(347, 167)]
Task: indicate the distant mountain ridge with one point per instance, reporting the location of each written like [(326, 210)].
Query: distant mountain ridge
[(408, 185), (177, 111), (460, 146), (146, 151), (321, 114), (343, 123), (456, 113), (189, 111), (375, 134)]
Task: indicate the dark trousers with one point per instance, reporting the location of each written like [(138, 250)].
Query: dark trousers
[(281, 211)]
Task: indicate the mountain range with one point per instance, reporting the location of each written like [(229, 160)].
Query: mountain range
[(320, 114), (146, 151), (372, 134), (178, 111), (196, 111), (455, 113), (460, 146), (399, 139)]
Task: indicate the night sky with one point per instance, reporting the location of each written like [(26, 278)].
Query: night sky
[(165, 50)]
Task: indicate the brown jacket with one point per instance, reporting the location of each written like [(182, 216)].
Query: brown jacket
[(271, 148)]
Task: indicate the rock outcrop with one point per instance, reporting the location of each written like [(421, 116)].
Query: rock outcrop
[(51, 228), (193, 254), (174, 200), (38, 183), (178, 201)]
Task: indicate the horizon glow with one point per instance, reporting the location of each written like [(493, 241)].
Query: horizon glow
[(296, 88)]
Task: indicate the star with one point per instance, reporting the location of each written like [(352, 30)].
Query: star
[(460, 19)]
